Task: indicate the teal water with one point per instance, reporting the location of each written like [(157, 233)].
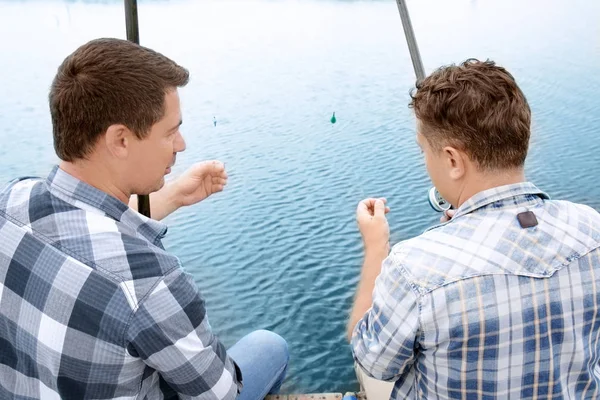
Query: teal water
[(278, 249)]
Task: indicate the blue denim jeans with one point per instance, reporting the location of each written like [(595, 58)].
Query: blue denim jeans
[(263, 358)]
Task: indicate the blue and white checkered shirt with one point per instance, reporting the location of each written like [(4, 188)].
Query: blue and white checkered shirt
[(481, 308), (93, 307)]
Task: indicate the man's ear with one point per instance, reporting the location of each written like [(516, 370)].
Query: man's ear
[(117, 140), (456, 162)]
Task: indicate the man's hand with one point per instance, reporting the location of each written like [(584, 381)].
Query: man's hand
[(196, 184), (373, 225), (448, 214), (370, 215), (199, 182)]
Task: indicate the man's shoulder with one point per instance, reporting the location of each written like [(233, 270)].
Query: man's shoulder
[(17, 191), (26, 201), (577, 210), (83, 232), (492, 243), (573, 224), (117, 249), (426, 261)]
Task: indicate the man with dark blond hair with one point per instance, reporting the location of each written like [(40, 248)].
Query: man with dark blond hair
[(91, 304), (502, 299)]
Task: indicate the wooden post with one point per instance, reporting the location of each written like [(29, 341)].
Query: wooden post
[(411, 40), (133, 35)]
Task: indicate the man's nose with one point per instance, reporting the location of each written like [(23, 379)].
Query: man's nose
[(179, 143)]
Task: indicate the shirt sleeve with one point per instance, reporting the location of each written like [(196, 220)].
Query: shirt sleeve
[(171, 333), (384, 340)]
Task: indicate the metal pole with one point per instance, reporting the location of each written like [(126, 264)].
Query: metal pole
[(131, 21), (411, 40), (133, 35)]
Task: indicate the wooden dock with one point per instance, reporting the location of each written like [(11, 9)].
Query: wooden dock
[(316, 396)]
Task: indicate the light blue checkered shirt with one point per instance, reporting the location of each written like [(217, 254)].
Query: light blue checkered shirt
[(481, 308)]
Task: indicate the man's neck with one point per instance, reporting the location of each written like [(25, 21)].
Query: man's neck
[(484, 181), (97, 175)]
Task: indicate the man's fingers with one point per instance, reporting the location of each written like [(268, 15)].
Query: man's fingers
[(448, 214), (366, 204), (371, 204), (364, 210), (379, 208), (213, 167), (218, 165), (216, 180)]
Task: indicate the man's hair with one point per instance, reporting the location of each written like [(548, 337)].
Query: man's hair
[(478, 108), (106, 82)]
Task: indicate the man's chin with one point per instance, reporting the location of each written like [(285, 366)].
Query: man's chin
[(155, 188), (159, 185)]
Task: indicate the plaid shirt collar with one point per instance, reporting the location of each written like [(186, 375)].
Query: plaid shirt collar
[(518, 194), (79, 191), (524, 194)]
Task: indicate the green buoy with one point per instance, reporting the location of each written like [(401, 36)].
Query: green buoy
[(333, 120)]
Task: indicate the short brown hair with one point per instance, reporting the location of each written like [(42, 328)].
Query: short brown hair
[(477, 107), (105, 82)]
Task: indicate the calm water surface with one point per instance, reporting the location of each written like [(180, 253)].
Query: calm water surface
[(278, 249)]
